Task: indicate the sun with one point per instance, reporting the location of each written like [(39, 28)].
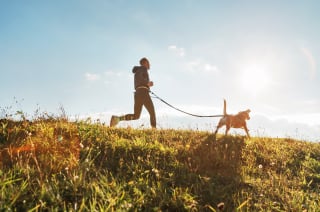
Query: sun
[(254, 79)]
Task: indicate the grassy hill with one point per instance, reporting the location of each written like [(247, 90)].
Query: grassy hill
[(52, 164)]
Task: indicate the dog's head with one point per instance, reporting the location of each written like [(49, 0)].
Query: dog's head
[(245, 114)]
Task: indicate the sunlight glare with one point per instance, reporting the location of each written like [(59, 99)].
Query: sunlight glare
[(254, 79)]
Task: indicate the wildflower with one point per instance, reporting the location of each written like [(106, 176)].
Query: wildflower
[(126, 205), (81, 145), (260, 166), (162, 148), (156, 172)]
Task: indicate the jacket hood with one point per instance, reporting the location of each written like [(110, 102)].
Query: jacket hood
[(138, 68)]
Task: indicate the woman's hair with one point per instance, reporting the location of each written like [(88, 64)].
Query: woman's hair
[(144, 60)]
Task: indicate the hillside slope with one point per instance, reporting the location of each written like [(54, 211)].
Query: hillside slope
[(53, 164)]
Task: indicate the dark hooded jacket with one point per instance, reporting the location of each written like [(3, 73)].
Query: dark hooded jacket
[(141, 76)]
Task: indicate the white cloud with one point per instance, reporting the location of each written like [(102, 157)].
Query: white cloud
[(285, 126), (111, 73), (177, 50), (116, 76), (193, 65), (92, 77), (108, 76), (201, 66), (311, 119), (210, 68)]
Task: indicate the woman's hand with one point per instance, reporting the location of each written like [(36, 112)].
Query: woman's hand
[(150, 84)]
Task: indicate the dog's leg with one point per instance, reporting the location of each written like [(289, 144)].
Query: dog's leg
[(220, 124), (247, 131), (227, 129), (217, 129)]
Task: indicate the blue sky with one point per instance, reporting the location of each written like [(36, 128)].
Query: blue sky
[(262, 55)]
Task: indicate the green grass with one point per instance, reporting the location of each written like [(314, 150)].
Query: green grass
[(51, 164)]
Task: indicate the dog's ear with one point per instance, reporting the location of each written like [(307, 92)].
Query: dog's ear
[(248, 111)]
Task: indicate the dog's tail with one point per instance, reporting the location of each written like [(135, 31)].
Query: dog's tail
[(224, 107)]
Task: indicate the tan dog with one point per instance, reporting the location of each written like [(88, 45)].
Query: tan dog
[(234, 121)]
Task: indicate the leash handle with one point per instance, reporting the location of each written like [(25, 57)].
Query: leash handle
[(191, 114)]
